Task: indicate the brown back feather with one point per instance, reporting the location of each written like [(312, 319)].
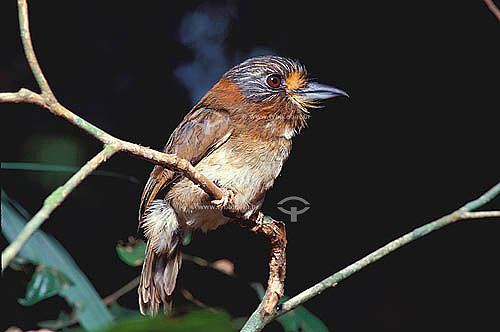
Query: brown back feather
[(202, 131)]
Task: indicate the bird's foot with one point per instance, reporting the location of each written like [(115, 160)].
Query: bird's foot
[(226, 200)]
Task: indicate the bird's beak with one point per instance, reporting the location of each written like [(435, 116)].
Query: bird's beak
[(316, 92)]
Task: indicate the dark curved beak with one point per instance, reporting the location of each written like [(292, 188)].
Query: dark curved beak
[(318, 91)]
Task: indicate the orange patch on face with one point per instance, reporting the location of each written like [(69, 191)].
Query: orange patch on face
[(295, 81)]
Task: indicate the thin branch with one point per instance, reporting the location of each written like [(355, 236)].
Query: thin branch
[(30, 53), (175, 163), (189, 296), (493, 8), (23, 96), (275, 232), (481, 214), (122, 291), (170, 161), (256, 322)]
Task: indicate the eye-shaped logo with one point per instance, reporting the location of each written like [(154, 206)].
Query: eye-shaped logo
[(293, 212)]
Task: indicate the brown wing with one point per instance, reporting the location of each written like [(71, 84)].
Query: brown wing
[(201, 132)]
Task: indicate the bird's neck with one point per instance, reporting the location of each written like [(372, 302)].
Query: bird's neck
[(267, 120), (269, 123)]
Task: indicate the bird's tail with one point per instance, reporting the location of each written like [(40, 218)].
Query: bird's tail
[(162, 259), (158, 277)]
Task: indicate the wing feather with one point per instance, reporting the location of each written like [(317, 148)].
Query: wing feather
[(201, 132)]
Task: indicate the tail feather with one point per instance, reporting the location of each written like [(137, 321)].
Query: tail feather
[(158, 279), (171, 270)]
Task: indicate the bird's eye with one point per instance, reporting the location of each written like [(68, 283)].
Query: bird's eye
[(274, 81)]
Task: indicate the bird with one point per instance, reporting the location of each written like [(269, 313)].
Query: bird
[(238, 135)]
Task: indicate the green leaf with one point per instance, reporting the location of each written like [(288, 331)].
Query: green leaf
[(44, 249), (299, 319), (45, 282), (132, 252), (195, 321)]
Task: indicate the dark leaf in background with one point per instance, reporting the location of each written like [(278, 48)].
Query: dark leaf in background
[(132, 252), (45, 282)]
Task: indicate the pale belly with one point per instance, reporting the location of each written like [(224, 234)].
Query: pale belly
[(249, 175)]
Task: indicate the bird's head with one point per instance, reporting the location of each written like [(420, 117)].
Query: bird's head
[(274, 92)]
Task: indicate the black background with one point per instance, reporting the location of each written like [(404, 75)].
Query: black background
[(417, 139)]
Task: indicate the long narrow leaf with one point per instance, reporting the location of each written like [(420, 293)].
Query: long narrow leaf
[(44, 249), (23, 166)]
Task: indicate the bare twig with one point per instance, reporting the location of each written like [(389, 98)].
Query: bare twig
[(170, 161), (189, 296), (256, 322), (24, 28), (275, 232), (132, 284), (493, 8), (480, 214), (22, 96)]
